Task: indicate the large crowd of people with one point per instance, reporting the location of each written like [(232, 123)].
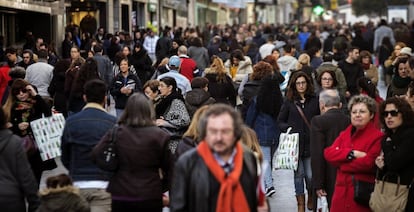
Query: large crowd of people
[(198, 115)]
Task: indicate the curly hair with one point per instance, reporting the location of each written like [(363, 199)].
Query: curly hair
[(261, 70), (272, 61), (292, 93), (402, 107), (364, 99)]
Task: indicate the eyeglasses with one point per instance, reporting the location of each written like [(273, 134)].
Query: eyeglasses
[(393, 113), (327, 79), (301, 83), (17, 92)]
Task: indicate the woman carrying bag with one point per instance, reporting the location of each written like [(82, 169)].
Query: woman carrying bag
[(397, 158), (300, 106)]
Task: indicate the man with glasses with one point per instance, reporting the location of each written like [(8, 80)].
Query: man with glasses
[(219, 174)]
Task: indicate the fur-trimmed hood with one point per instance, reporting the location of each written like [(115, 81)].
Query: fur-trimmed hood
[(68, 189)]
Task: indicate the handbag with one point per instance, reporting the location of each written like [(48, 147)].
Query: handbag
[(362, 191), (29, 144), (388, 196), (106, 158), (287, 153)]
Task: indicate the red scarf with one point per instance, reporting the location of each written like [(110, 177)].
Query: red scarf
[(231, 197)]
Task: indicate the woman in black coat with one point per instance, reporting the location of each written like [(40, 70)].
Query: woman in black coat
[(142, 63), (397, 145), (300, 94), (24, 105), (57, 87)]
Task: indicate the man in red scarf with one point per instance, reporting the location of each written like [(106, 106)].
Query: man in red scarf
[(220, 174)]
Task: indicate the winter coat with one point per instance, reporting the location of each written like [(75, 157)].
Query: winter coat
[(131, 81), (372, 74), (398, 158), (263, 124), (244, 68), (143, 65), (221, 92), (142, 152), (16, 179), (189, 194), (325, 129), (368, 140), (289, 116), (286, 64), (200, 56), (62, 199), (352, 72), (341, 86), (196, 98)]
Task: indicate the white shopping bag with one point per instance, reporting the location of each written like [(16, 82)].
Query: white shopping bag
[(322, 204), (47, 132), (287, 153)]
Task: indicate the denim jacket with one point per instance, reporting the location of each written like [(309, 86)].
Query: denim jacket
[(81, 133)]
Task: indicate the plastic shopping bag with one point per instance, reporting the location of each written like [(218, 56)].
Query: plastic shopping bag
[(322, 205)]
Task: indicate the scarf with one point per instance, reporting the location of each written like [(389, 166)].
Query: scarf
[(366, 66), (400, 82), (231, 195), (165, 103)]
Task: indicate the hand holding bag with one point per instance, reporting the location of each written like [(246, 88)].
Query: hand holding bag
[(389, 196), (287, 153), (106, 154)]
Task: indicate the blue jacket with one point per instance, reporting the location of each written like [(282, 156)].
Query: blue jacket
[(81, 133), (263, 124)]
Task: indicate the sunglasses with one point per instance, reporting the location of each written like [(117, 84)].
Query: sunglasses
[(17, 92), (393, 113)]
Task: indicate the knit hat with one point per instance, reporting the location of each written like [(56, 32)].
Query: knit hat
[(407, 51)]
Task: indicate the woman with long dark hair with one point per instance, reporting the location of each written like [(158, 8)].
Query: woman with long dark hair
[(74, 90), (300, 96), (396, 157)]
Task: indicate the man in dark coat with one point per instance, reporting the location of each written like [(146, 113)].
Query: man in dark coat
[(226, 169), (325, 129)]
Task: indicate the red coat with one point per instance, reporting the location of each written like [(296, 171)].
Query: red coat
[(367, 140)]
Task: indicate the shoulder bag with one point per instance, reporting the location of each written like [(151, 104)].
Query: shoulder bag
[(362, 191), (106, 158), (388, 196)]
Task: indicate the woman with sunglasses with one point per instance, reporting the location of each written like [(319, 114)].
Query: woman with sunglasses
[(24, 105), (397, 145), (353, 153)]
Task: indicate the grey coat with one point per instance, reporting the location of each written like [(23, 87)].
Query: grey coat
[(17, 181)]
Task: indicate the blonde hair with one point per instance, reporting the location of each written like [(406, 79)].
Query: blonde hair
[(304, 59), (192, 130), (249, 139), (217, 67)]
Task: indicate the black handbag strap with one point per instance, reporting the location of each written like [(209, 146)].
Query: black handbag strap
[(114, 133), (303, 116)]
